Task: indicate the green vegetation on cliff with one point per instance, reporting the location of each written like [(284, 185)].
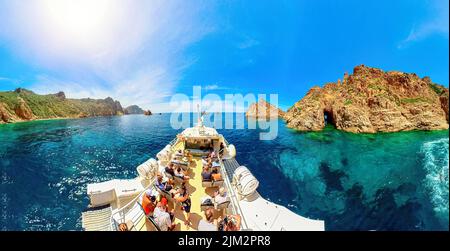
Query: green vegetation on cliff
[(23, 104)]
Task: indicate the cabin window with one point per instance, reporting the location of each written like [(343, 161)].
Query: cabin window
[(202, 144)]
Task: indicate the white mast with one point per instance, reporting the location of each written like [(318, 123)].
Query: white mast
[(200, 116)]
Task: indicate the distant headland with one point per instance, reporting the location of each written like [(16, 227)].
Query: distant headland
[(133, 109), (25, 105)]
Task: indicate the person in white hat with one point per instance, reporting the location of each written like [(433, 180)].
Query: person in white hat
[(220, 196)]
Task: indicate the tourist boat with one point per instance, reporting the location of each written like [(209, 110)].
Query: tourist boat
[(119, 201)]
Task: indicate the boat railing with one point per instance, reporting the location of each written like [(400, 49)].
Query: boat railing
[(233, 196), (119, 215), (173, 141), (225, 141)]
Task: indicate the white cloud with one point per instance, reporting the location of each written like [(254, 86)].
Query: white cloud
[(130, 50), (438, 23), (46, 84), (210, 106), (211, 87), (15, 82), (215, 87)]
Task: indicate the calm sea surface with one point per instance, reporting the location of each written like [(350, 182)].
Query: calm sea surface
[(396, 181)]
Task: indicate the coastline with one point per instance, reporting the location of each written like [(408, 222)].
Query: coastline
[(49, 119), (367, 133), (259, 119), (68, 118)]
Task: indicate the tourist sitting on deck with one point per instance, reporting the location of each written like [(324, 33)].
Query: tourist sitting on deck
[(215, 174), (215, 164), (164, 185), (123, 227), (220, 196), (207, 202), (221, 149), (185, 160), (163, 201), (182, 196), (181, 174), (206, 174), (163, 218), (210, 145), (208, 223), (230, 223), (188, 155), (170, 169), (179, 153), (205, 160), (148, 203), (213, 155)]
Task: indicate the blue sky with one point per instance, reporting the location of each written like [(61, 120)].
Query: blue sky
[(143, 52)]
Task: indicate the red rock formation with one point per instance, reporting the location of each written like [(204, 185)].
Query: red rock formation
[(444, 102), (371, 100), (23, 110), (5, 116), (263, 110)]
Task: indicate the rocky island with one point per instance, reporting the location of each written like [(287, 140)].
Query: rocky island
[(133, 109), (371, 100), (25, 105), (263, 110)]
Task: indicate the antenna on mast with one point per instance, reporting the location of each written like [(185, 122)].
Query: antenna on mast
[(200, 119)]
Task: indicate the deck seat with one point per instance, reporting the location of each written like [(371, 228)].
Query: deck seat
[(218, 183), (212, 183), (198, 152), (168, 175), (206, 207), (206, 203), (207, 183), (165, 194), (178, 179), (223, 205)]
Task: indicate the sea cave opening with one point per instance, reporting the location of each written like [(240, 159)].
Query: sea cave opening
[(328, 116)]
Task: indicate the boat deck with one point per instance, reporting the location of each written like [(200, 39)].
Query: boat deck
[(197, 192), (256, 213)]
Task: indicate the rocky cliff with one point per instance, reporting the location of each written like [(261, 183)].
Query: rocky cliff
[(24, 105), (133, 109), (371, 100), (263, 110)]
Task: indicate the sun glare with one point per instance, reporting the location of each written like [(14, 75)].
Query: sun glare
[(83, 20)]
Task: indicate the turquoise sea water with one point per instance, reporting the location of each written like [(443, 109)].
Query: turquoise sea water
[(396, 181)]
